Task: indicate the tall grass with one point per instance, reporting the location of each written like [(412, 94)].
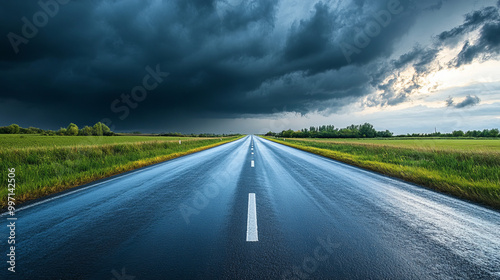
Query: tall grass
[(468, 174), (36, 140), (44, 170)]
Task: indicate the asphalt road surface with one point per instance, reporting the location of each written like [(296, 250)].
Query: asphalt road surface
[(253, 209)]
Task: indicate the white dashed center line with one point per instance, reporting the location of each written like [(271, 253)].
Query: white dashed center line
[(252, 234)]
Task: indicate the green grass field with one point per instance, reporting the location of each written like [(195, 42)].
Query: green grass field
[(466, 168), (430, 144), (46, 164), (32, 141)]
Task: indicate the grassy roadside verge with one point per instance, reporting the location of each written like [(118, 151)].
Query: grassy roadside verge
[(37, 140), (472, 175), (41, 171)]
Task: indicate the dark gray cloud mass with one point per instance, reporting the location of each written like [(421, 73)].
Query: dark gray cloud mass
[(470, 100), (83, 61), (472, 21), (424, 60)]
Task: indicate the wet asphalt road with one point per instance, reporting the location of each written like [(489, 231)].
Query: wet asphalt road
[(316, 219)]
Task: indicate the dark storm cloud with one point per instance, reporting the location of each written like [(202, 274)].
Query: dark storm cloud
[(487, 21), (488, 44), (472, 21), (424, 60), (469, 101), (226, 58), (310, 37), (419, 58)]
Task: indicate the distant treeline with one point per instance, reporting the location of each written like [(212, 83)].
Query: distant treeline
[(458, 133), (177, 134), (329, 131), (99, 129), (367, 131)]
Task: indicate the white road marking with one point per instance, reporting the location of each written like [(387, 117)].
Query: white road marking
[(252, 153), (252, 234), (252, 164), (252, 149)]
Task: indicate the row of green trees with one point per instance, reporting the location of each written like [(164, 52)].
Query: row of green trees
[(178, 134), (367, 131), (99, 129), (491, 133), (329, 131)]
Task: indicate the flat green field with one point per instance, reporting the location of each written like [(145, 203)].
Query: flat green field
[(49, 164), (438, 144), (466, 168), (31, 141)]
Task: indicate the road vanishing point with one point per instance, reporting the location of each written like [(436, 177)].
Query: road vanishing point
[(254, 209)]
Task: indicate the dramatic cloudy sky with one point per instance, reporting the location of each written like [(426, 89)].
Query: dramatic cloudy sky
[(250, 66)]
